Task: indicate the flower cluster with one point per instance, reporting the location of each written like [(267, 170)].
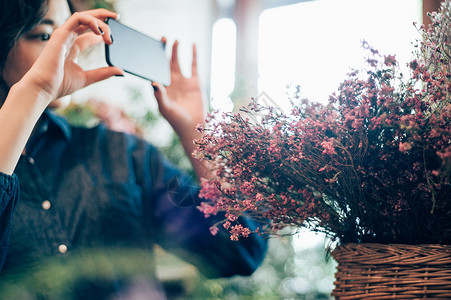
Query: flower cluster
[(373, 165)]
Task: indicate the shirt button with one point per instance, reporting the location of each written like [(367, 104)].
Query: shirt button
[(31, 160), (46, 204), (62, 248)]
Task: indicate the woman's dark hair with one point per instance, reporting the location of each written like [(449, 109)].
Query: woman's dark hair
[(16, 18)]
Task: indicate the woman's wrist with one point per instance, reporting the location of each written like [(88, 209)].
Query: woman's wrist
[(187, 139), (18, 116), (35, 95)]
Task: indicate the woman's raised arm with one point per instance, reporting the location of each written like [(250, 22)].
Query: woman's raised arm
[(54, 74)]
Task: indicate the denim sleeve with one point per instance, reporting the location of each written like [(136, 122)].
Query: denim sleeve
[(9, 194), (183, 230)]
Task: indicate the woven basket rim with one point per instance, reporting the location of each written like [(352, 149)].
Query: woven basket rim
[(393, 254), (392, 271)]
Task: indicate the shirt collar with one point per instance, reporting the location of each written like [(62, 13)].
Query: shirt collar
[(57, 122)]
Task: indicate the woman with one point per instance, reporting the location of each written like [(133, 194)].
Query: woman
[(93, 188)]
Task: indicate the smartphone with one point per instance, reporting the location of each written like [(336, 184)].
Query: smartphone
[(137, 53)]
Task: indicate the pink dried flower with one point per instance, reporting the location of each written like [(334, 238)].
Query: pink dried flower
[(328, 147), (373, 165), (404, 147), (214, 230), (200, 128), (390, 60)]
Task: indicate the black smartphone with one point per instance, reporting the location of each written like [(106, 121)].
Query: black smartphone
[(137, 53)]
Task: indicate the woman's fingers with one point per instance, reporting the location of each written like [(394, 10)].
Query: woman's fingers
[(81, 21), (55, 71), (103, 14), (161, 95), (175, 67), (164, 41), (99, 30), (67, 34), (83, 42), (194, 62), (100, 74), (105, 32), (78, 20)]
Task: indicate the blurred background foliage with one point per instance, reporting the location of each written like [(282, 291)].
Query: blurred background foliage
[(286, 273), (93, 4)]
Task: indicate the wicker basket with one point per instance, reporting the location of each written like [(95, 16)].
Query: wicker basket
[(378, 271)]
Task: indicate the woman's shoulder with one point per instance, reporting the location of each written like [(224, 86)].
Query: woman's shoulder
[(108, 139)]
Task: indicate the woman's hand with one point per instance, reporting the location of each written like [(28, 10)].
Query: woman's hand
[(56, 73), (181, 102), (182, 106), (53, 75)]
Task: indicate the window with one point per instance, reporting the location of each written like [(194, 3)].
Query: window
[(315, 43), (223, 64)]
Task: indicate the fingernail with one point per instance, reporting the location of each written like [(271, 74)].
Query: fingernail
[(101, 31), (118, 16)]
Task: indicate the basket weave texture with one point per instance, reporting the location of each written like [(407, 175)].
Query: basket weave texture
[(379, 271)]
